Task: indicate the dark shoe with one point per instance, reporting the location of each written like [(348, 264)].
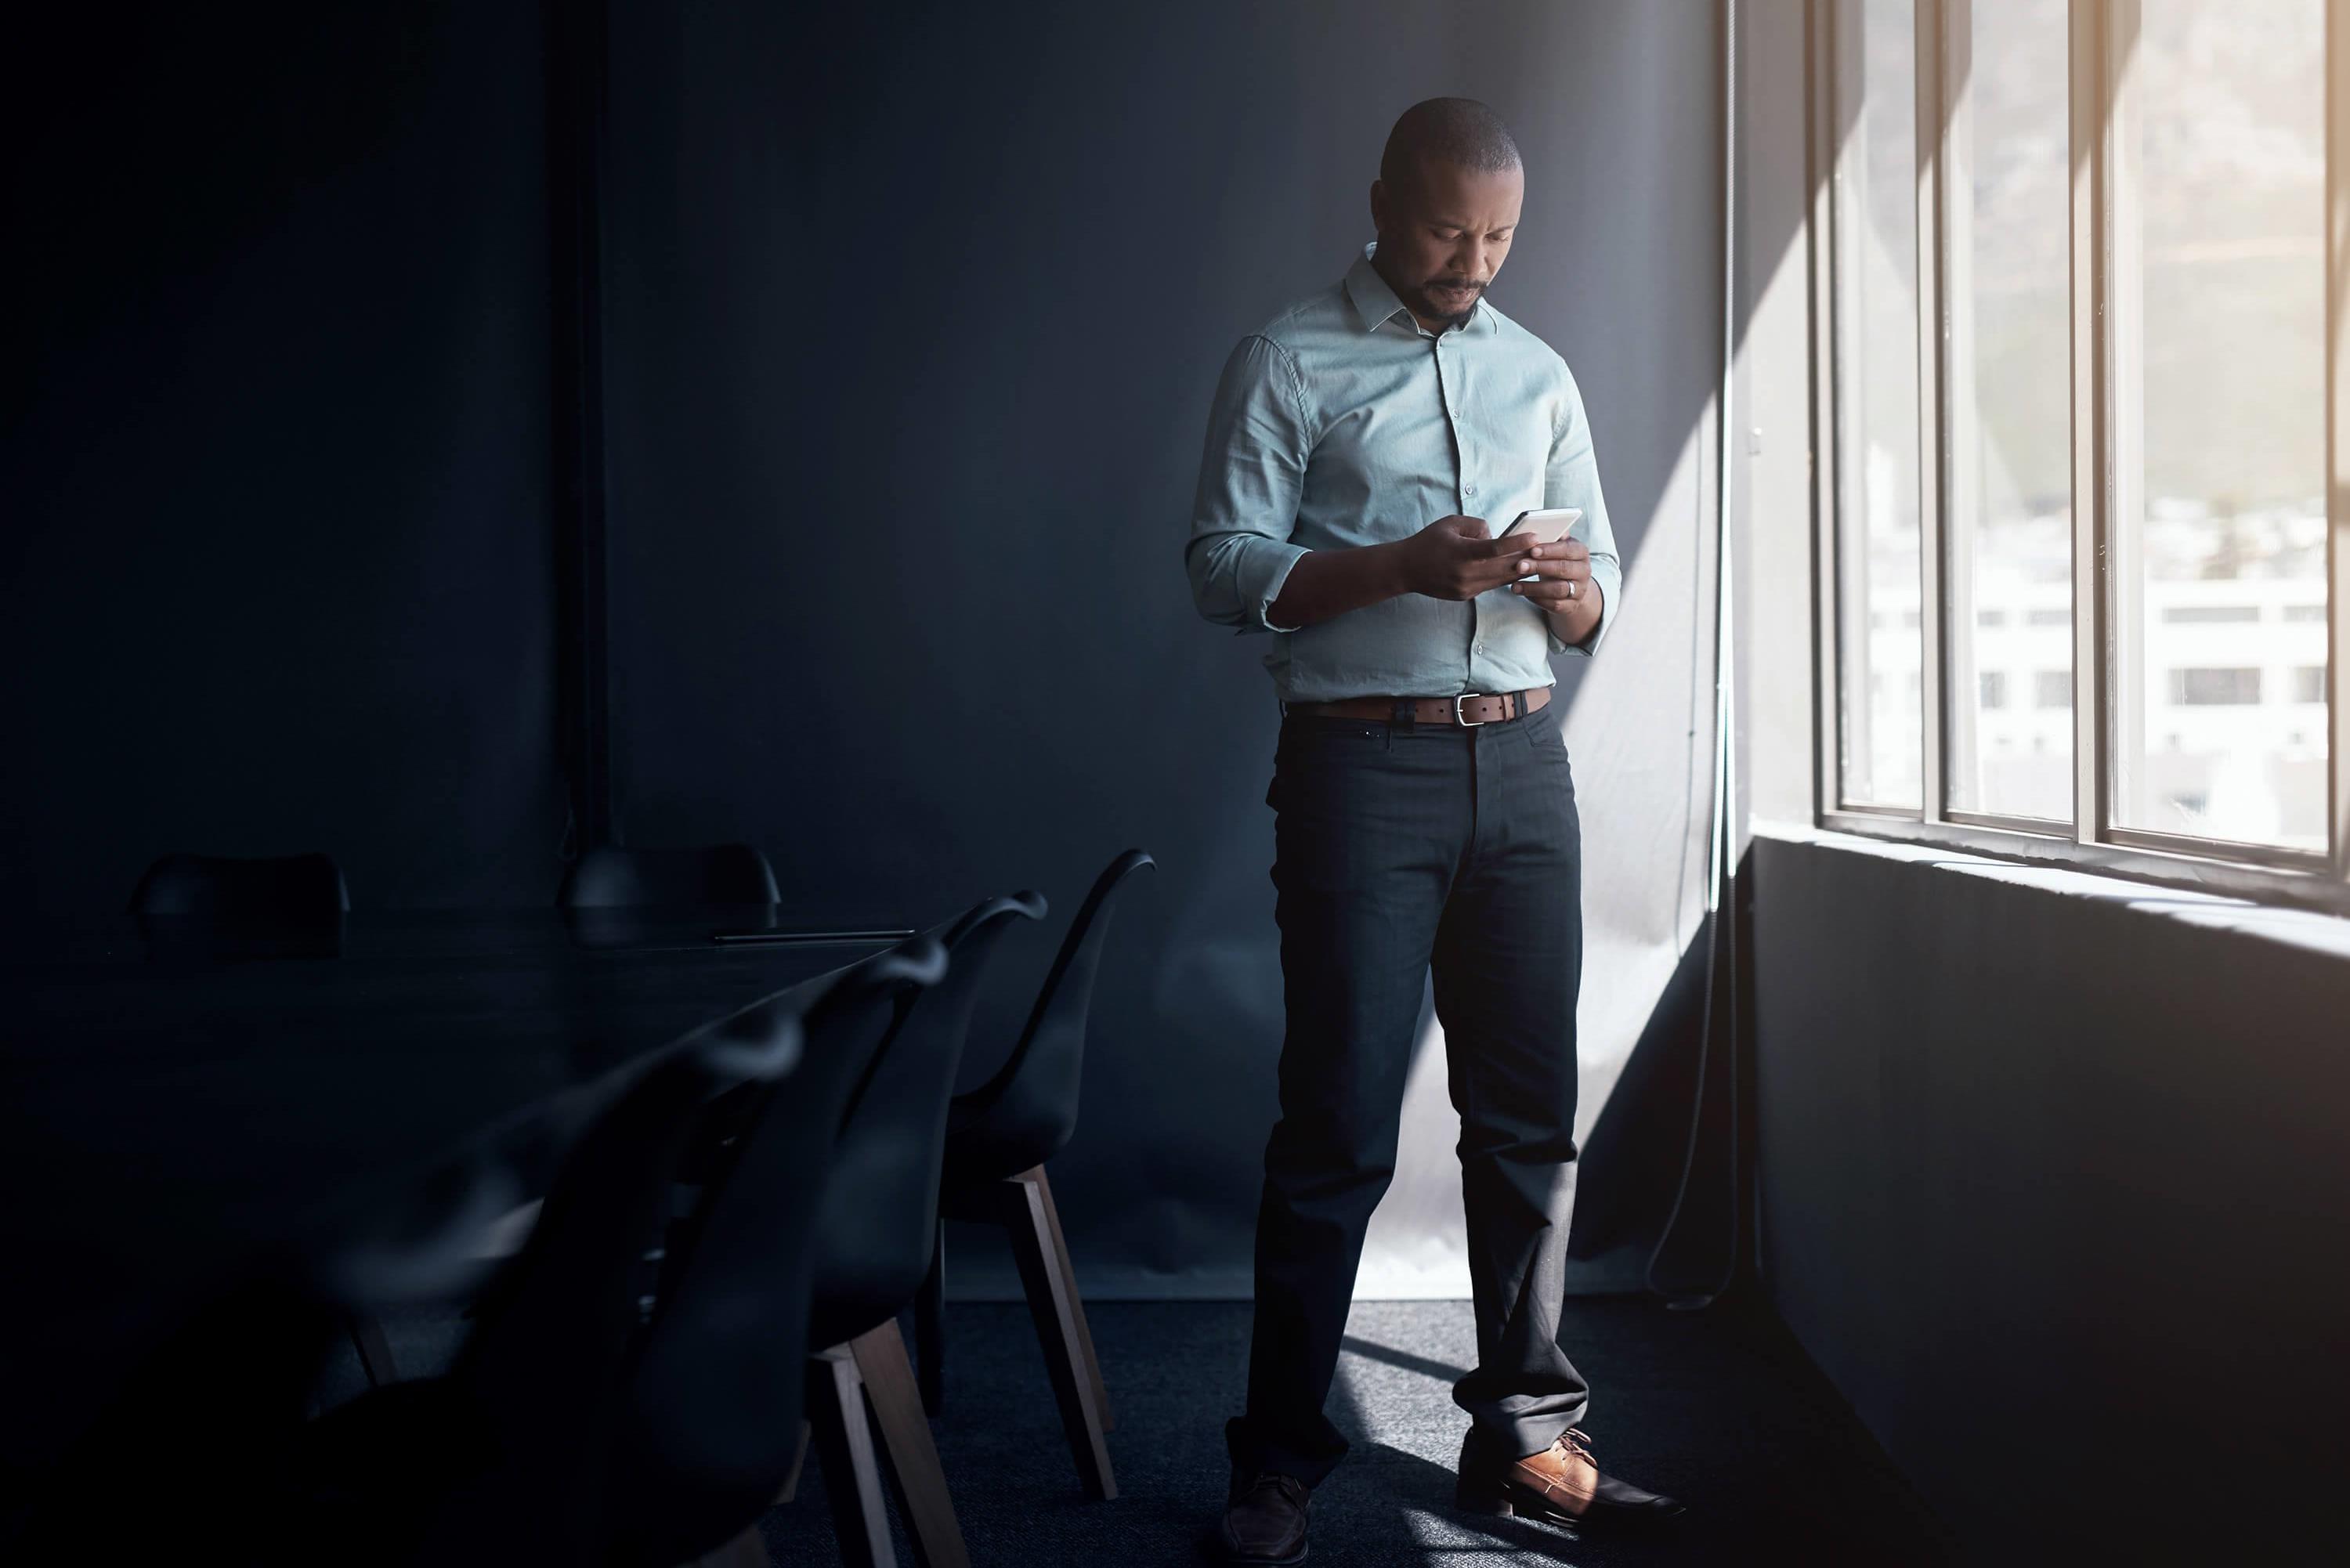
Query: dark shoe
[(1264, 1522), (1561, 1484)]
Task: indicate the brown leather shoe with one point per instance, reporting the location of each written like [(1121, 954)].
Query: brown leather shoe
[(1264, 1522), (1561, 1484)]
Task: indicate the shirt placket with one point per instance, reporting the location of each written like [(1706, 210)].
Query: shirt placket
[(1452, 387)]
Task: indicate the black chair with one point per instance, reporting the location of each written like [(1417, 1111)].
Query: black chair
[(226, 906), (229, 906), (998, 1139), (270, 887), (599, 887), (631, 1391), (611, 877), (880, 1211), (716, 1399)]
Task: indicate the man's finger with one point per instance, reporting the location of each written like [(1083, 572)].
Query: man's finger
[(1469, 527), (1562, 550)]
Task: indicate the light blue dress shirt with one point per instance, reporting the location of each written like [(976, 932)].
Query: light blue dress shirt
[(1345, 423)]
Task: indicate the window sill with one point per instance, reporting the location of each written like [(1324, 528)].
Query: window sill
[(2305, 908)]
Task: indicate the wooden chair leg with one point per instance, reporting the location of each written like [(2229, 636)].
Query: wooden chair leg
[(1076, 1301), (912, 1458), (375, 1350), (1052, 1303), (844, 1446), (930, 1326)]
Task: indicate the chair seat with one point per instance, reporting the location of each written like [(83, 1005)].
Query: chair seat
[(506, 1236), (978, 1153), (837, 1316), (964, 1112), (880, 1198), (1024, 1114), (999, 1138)]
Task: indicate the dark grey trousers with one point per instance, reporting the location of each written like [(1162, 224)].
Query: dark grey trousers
[(1400, 849)]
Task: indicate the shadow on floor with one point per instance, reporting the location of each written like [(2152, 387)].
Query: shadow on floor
[(1720, 1408)]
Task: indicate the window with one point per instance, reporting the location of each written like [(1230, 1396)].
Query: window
[(2008, 509), (2203, 687), (1881, 703), (2081, 368), (2220, 284)]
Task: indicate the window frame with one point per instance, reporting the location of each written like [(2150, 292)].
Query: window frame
[(2105, 348)]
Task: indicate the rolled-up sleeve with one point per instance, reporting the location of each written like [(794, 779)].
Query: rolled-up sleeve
[(1239, 554), (1573, 480)]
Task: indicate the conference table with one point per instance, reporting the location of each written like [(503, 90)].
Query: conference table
[(182, 1110)]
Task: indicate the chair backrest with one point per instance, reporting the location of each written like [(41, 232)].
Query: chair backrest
[(713, 1404), (1028, 1109), (285, 888), (562, 1347), (881, 1201), (611, 877)]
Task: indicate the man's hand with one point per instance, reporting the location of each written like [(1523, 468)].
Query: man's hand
[(1451, 558), (1457, 557), (1563, 587)]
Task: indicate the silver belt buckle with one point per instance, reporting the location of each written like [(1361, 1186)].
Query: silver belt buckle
[(1461, 718)]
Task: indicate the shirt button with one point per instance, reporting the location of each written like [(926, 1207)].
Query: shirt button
[(1468, 490)]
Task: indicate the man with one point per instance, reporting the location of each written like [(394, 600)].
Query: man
[(1365, 450)]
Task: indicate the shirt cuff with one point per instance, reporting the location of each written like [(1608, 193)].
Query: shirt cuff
[(1260, 573), (1608, 578)]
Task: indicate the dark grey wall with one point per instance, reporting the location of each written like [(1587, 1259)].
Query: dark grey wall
[(275, 573), (912, 323), (2055, 1186), (914, 320)]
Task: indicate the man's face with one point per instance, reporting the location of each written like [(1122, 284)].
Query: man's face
[(1444, 234)]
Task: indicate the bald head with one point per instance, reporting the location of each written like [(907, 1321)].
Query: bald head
[(1460, 132), (1445, 207)]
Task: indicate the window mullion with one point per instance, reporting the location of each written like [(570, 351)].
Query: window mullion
[(1933, 464), (1826, 187), (2337, 430), (1853, 735), (1961, 512), (2086, 95), (2121, 247)]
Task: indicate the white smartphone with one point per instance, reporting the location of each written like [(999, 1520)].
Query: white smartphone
[(1548, 524)]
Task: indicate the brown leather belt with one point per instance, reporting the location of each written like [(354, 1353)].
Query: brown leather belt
[(1467, 711)]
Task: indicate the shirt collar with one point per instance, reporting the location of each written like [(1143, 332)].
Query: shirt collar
[(1375, 304)]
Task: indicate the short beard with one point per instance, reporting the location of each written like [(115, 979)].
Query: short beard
[(1458, 319)]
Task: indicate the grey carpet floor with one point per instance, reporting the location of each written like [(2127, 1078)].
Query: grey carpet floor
[(1719, 1408)]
